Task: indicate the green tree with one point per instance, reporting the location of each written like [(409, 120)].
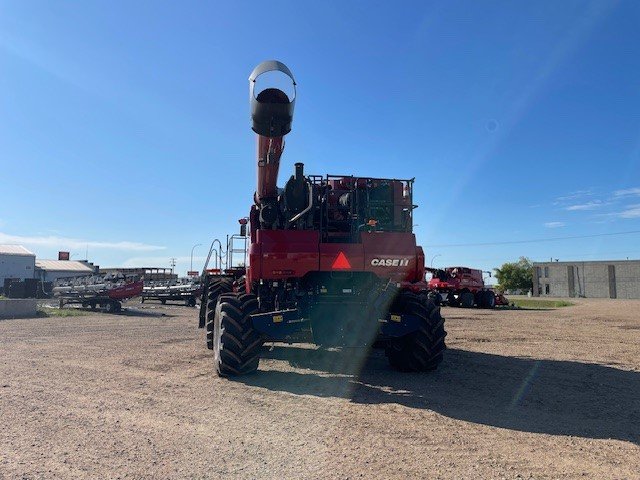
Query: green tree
[(516, 275)]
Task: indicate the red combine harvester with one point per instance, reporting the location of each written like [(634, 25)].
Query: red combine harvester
[(462, 287), (332, 260)]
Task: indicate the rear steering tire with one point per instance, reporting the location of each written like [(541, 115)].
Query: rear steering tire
[(236, 344), (241, 285), (216, 288), (422, 350)]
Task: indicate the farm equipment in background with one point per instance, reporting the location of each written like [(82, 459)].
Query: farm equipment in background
[(175, 291), (332, 260), (104, 291), (462, 287)]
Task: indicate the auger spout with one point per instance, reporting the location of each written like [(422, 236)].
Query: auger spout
[(272, 115)]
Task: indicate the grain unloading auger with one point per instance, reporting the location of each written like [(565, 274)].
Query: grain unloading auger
[(332, 260)]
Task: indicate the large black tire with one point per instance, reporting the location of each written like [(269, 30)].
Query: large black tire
[(216, 288), (236, 344), (479, 298), (466, 299), (422, 350), (488, 299), (112, 306), (452, 301), (241, 284), (434, 297)]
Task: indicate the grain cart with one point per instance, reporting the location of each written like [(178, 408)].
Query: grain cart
[(332, 259)]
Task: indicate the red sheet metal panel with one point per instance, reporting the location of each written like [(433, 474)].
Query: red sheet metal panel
[(285, 253)]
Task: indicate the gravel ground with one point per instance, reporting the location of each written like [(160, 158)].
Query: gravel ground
[(521, 394)]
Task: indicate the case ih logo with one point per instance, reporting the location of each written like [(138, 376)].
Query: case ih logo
[(389, 262)]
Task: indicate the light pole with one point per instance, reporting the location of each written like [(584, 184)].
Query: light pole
[(196, 245), (434, 257)]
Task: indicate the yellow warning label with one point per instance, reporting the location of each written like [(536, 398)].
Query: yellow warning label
[(396, 318), (278, 318)]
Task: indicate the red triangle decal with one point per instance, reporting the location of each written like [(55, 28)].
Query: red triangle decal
[(341, 262)]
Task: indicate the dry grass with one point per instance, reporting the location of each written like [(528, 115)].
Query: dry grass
[(539, 304), (61, 312)]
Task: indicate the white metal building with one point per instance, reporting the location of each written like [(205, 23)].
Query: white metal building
[(52, 270), (16, 262)]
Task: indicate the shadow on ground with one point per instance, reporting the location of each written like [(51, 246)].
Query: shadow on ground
[(138, 312), (541, 396)]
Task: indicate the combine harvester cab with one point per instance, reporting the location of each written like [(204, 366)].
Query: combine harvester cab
[(331, 259)]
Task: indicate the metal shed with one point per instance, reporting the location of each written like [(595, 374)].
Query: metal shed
[(52, 270), (16, 262)]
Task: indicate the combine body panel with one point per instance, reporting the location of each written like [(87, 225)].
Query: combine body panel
[(331, 259), (282, 254)]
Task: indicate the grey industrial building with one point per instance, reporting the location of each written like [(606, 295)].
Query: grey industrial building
[(592, 279)]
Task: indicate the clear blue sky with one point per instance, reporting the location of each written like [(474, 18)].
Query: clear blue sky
[(124, 126)]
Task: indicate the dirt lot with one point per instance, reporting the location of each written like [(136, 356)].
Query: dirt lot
[(521, 394)]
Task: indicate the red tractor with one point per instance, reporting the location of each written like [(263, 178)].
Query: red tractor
[(331, 259), (462, 287)]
